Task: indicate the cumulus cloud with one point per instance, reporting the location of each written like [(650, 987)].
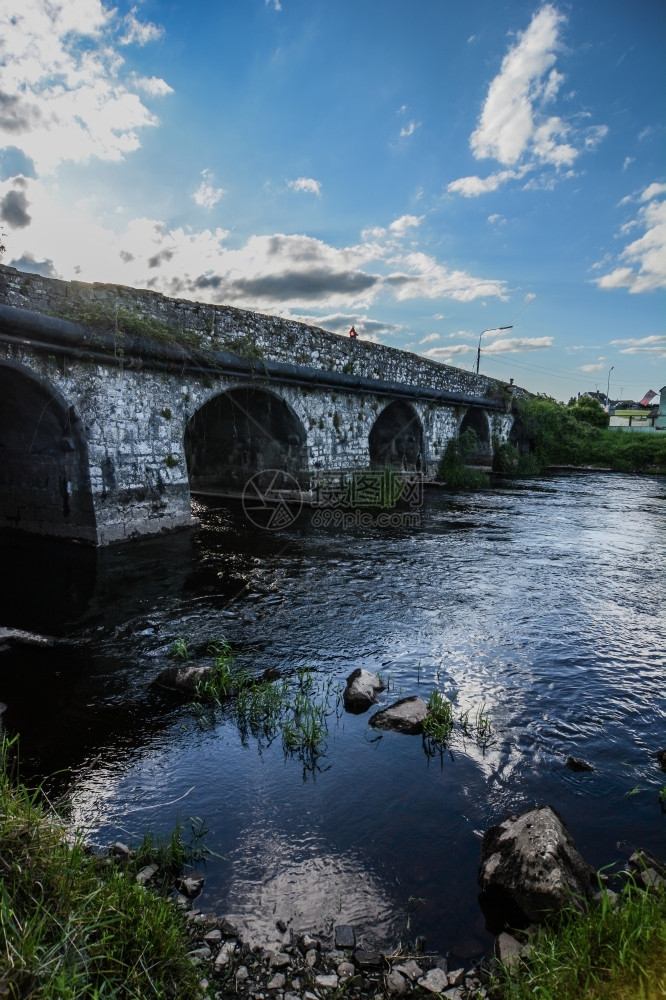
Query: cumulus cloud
[(28, 263), (139, 32), (429, 339), (642, 263), (307, 184), (400, 226), (446, 353), (14, 208), (515, 126), (154, 86), (473, 186), (511, 345), (206, 195), (64, 97)]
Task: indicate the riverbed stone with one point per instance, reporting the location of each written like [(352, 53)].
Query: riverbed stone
[(184, 677), (578, 764), (661, 759), (361, 691), (345, 938), (278, 959), (509, 950), (410, 968), (345, 970), (277, 982), (531, 862), (456, 977), (395, 983), (364, 958), (328, 982), (436, 980), (404, 716), (146, 874), (192, 884)]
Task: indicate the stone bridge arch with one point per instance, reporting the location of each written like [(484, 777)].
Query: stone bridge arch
[(476, 418), (396, 438), (44, 468), (241, 432)]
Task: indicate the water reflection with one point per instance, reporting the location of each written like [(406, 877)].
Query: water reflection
[(531, 600)]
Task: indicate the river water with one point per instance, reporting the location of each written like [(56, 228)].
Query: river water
[(541, 603)]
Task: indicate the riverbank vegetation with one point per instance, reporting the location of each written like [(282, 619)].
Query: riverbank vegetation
[(616, 950), (577, 435), (453, 467), (75, 925)]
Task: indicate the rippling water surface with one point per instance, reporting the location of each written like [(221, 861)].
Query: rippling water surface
[(543, 602)]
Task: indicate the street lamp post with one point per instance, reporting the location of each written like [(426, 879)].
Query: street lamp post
[(489, 330), (608, 388)]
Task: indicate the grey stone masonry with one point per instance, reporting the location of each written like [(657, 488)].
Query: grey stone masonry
[(104, 432), (223, 328)]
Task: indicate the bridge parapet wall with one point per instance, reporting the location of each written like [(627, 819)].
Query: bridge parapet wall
[(239, 331)]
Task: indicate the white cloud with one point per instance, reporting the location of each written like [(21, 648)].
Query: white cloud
[(65, 100), (653, 191), (472, 187), (275, 4), (513, 126), (206, 195), (440, 353), (643, 262), (139, 32), (506, 126), (651, 345), (400, 226), (496, 219), (307, 184), (530, 297), (511, 345), (152, 85), (409, 129), (429, 339), (599, 367), (628, 160), (642, 341)]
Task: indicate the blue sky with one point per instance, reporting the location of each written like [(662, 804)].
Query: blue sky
[(423, 170)]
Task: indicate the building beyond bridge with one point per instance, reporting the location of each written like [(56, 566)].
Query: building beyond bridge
[(116, 402)]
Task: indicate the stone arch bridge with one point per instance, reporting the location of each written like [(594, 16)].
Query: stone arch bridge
[(117, 403)]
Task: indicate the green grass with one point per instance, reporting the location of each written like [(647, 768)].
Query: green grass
[(442, 723), (439, 722), (75, 926), (453, 468), (124, 322), (295, 708), (607, 953)]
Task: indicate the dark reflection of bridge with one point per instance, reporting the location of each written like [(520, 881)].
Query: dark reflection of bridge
[(103, 436)]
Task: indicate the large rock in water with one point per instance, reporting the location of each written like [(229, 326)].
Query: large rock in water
[(532, 862), (361, 691), (184, 677), (405, 716)]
